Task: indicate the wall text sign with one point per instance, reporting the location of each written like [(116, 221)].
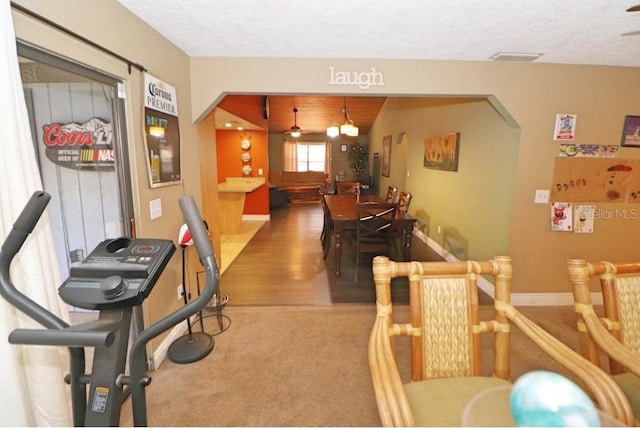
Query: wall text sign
[(361, 79)]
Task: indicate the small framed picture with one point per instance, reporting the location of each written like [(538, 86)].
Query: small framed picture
[(565, 127), (343, 148), (631, 132), (386, 156)]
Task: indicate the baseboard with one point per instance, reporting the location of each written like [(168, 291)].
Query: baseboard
[(160, 353), (517, 299)]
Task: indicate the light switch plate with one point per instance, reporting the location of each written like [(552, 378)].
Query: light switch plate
[(542, 197), (155, 208)]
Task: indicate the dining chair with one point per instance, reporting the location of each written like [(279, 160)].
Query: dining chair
[(348, 187), (615, 332), (392, 192), (404, 200), (327, 227), (444, 329), (373, 230)]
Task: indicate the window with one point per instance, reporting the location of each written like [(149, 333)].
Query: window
[(311, 156)]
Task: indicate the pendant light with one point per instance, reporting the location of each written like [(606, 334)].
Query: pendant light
[(347, 128), (333, 130)]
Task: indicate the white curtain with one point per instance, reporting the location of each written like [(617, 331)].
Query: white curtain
[(33, 392), (290, 155), (327, 159)]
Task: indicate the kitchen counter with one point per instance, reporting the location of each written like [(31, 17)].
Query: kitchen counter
[(240, 184), (231, 195)]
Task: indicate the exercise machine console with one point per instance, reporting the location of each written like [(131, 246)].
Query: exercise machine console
[(115, 278), (118, 273)]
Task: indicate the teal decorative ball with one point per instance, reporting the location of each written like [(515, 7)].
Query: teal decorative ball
[(546, 399)]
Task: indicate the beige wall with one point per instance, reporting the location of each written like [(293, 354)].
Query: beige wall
[(110, 25), (530, 95), (473, 206)]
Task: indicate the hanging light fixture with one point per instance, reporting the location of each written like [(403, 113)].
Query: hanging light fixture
[(333, 130), (347, 128)]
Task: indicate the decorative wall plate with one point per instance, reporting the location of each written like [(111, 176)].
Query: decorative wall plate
[(246, 170), (245, 144), (246, 157)]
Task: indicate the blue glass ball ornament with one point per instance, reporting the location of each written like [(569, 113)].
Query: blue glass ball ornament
[(546, 399)]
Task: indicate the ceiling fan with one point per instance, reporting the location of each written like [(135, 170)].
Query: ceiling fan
[(295, 130), (635, 8)]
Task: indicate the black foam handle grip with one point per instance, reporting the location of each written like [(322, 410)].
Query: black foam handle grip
[(31, 212), (196, 226), (25, 223)]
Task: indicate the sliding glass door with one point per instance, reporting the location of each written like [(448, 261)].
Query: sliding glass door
[(74, 115)]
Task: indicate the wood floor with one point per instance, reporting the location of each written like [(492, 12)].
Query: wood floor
[(283, 265)]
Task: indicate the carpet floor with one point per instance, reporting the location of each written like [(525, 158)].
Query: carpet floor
[(301, 366)]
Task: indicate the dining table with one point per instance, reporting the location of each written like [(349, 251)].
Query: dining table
[(343, 213)]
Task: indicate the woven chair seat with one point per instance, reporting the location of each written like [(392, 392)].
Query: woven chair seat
[(630, 384), (446, 397)]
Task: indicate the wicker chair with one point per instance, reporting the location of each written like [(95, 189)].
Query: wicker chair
[(616, 334), (444, 330)]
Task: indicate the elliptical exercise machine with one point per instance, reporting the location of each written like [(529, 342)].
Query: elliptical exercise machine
[(116, 277)]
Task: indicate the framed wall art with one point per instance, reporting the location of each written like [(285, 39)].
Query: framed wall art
[(565, 128), (631, 132), (442, 152), (386, 156)]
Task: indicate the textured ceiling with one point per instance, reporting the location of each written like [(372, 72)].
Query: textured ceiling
[(595, 32), (571, 31)]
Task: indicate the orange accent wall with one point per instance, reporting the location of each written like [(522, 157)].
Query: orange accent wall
[(229, 154), (248, 107)]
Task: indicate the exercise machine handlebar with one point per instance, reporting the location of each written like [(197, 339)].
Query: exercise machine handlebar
[(59, 333), (206, 254), (66, 337), (22, 227)]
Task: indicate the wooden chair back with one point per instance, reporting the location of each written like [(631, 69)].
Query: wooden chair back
[(614, 331), (444, 327), (444, 309), (348, 187), (327, 227), (404, 200), (620, 287), (392, 193), (373, 230)]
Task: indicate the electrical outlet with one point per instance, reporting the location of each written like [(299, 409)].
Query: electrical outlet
[(439, 229), (542, 197), (180, 293)]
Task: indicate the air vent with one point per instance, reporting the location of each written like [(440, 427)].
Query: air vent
[(516, 56)]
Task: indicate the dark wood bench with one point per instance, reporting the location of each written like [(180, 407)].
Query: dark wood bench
[(303, 193)]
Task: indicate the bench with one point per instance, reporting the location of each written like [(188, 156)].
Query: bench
[(301, 186)]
